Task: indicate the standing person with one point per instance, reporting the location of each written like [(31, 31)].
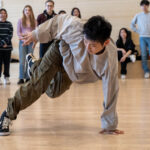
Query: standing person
[(84, 54), (6, 33), (26, 24), (126, 48), (76, 12), (46, 15), (141, 25)]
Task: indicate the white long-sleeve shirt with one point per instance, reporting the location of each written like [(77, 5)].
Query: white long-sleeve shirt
[(81, 66)]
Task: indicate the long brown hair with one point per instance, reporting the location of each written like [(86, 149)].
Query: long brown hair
[(31, 17)]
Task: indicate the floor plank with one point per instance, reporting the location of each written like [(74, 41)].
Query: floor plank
[(72, 121)]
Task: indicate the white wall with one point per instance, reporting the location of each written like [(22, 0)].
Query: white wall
[(118, 12)]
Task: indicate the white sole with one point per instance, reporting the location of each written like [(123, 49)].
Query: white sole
[(5, 134)]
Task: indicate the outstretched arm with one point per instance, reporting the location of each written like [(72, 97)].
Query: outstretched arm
[(109, 118), (60, 27)]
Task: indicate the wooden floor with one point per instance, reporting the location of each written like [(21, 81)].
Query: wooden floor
[(72, 121)]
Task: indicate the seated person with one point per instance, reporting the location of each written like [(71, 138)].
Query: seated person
[(126, 48)]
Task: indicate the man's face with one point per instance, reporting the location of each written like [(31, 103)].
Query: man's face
[(3, 16), (49, 7), (145, 8), (94, 47)]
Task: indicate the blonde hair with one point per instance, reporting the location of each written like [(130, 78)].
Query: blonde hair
[(31, 17)]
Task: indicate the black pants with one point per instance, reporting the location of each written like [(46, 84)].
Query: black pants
[(44, 47), (5, 59), (123, 64)]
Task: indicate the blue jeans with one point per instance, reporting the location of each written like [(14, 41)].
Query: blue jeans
[(23, 51), (145, 45)]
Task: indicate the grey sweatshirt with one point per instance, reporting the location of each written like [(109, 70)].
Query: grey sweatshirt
[(81, 66), (141, 24)]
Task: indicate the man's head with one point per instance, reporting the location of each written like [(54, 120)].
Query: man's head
[(49, 5), (97, 33), (144, 5)]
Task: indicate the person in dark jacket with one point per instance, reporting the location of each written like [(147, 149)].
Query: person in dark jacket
[(125, 49), (6, 33), (46, 15)]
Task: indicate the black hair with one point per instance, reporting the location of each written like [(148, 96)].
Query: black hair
[(144, 2), (2, 9), (97, 29), (50, 1), (62, 11), (128, 35), (73, 9)]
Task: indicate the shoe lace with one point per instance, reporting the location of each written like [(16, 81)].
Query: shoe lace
[(6, 123)]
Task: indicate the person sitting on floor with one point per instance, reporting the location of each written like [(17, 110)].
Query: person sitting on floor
[(126, 48)]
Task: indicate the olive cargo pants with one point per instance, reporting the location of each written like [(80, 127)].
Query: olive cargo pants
[(48, 75)]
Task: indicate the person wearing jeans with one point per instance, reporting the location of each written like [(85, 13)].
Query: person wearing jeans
[(141, 25), (23, 51), (145, 50), (26, 24)]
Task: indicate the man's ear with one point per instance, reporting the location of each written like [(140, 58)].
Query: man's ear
[(106, 42)]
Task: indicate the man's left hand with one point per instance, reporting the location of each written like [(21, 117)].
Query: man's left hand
[(27, 38), (113, 132)]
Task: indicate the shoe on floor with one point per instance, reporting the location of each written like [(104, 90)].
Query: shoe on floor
[(6, 80), (123, 76), (21, 81), (4, 124), (30, 59), (146, 75)]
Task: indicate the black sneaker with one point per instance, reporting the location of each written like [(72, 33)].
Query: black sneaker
[(30, 59), (4, 124), (21, 81)]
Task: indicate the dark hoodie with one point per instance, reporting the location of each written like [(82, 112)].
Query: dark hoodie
[(44, 17)]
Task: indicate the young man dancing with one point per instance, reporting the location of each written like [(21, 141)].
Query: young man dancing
[(82, 53)]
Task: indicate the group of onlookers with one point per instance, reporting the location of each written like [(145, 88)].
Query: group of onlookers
[(28, 23), (141, 25)]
